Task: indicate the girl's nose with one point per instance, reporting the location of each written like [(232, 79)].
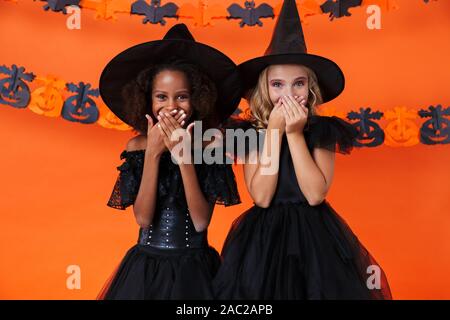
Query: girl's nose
[(288, 92), (172, 105)]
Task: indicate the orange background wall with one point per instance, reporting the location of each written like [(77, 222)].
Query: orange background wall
[(58, 175)]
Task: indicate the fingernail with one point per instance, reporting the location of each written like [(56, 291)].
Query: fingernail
[(166, 114), (159, 126), (159, 117), (182, 123)]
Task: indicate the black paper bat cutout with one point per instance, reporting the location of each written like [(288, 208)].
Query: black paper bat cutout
[(60, 5), (154, 12), (250, 15), (339, 8)]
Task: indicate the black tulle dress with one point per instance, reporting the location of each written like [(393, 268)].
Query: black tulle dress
[(292, 250), (171, 260)]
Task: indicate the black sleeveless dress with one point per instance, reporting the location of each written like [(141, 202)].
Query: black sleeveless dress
[(171, 260), (292, 250)]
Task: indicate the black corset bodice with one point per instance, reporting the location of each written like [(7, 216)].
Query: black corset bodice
[(172, 226)]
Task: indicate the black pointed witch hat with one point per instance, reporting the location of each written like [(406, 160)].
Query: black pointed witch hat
[(177, 45), (288, 47)]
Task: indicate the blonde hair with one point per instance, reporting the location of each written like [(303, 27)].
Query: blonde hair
[(261, 106)]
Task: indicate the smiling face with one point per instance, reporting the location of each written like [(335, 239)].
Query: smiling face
[(170, 92), (287, 80)]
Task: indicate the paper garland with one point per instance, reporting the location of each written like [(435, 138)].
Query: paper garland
[(79, 102), (248, 12)]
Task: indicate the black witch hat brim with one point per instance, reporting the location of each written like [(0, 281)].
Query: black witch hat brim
[(125, 67), (330, 77)]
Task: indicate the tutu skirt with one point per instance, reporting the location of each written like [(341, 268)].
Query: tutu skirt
[(149, 273), (297, 251)]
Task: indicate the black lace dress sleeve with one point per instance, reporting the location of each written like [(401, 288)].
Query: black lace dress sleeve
[(331, 133), (218, 184), (127, 184), (241, 144)]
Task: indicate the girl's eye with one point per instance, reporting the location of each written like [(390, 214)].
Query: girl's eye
[(276, 84), (183, 97), (299, 83), (160, 96)]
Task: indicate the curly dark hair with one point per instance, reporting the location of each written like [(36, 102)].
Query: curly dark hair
[(138, 94)]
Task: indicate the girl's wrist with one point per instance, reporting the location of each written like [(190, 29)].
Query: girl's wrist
[(152, 155), (295, 133), (272, 127), (184, 165)]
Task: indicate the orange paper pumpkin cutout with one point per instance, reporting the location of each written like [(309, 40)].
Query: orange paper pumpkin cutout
[(385, 5), (107, 119), (106, 9), (203, 13), (305, 8), (401, 131), (48, 100)]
